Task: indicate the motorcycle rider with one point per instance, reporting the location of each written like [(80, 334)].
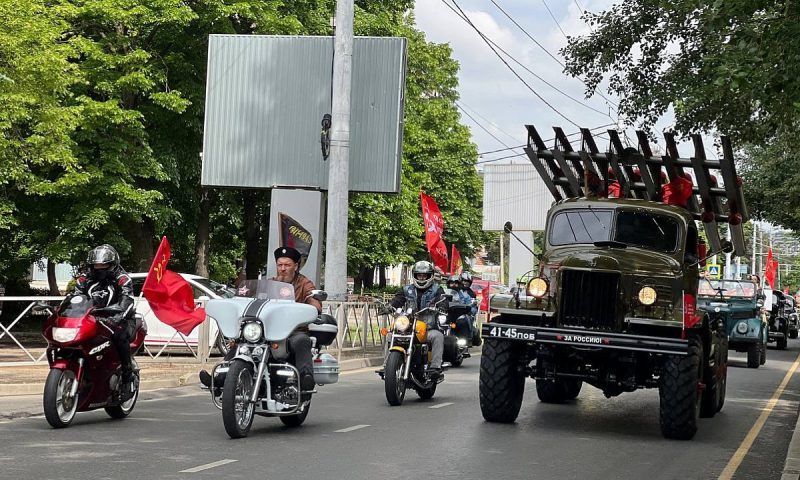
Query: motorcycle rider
[(287, 261), (424, 292), (460, 295), (111, 289), (466, 283)]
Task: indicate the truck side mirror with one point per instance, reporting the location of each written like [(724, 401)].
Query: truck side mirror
[(508, 227)]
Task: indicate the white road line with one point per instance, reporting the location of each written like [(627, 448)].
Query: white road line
[(208, 466), (350, 429), (445, 404)]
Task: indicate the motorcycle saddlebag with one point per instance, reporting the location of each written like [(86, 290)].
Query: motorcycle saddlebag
[(326, 369), (324, 331)]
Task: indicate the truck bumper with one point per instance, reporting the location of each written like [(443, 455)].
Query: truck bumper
[(584, 338)]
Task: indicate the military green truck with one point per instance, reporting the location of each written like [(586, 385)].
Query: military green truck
[(613, 303)]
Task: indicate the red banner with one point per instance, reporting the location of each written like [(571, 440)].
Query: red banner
[(485, 298), (439, 255), (456, 265), (770, 270), (434, 223), (170, 296), (434, 228)]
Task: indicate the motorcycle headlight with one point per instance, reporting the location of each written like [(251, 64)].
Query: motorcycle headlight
[(537, 287), (461, 342), (401, 323), (741, 327), (647, 295), (252, 332), (64, 334)]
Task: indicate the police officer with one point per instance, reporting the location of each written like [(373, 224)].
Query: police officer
[(424, 292)]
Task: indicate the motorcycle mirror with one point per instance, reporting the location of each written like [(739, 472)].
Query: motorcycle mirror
[(508, 227), (727, 246), (320, 295)]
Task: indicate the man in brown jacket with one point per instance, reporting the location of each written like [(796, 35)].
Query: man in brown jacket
[(287, 260)]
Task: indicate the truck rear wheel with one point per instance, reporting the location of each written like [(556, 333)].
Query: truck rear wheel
[(679, 393), (501, 383), (716, 380), (781, 343)]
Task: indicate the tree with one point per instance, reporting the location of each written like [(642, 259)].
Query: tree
[(728, 66)]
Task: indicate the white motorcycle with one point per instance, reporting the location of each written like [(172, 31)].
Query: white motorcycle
[(259, 380)]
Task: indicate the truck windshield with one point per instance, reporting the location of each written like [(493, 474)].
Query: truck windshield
[(633, 228), (581, 226), (647, 230)]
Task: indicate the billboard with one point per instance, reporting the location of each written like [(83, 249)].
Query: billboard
[(515, 193), (295, 221), (265, 100)]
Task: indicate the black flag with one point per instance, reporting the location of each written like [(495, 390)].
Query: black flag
[(294, 235)]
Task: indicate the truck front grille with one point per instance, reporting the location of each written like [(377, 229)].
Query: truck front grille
[(589, 299)]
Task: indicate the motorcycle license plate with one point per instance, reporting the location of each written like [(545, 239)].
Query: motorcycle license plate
[(510, 332)]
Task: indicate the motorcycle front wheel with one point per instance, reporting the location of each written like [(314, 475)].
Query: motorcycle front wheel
[(393, 383), (237, 411), (59, 405)]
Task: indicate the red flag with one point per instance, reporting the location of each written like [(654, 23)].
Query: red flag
[(439, 255), (456, 265), (170, 296), (485, 299), (434, 228), (678, 191), (770, 270)]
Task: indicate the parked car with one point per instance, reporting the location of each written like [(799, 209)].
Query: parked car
[(737, 303), (159, 334)]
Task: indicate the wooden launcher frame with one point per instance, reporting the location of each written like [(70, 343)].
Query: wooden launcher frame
[(563, 170)]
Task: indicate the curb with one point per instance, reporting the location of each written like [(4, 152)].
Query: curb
[(17, 389), (791, 468)]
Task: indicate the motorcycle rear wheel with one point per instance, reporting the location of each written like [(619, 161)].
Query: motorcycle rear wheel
[(125, 408), (237, 411), (59, 408), (298, 419), (393, 382)]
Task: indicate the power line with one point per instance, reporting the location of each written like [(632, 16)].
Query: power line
[(523, 66), (554, 109), (614, 105), (488, 121), (554, 18), (481, 126)]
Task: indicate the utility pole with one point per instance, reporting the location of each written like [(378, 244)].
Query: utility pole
[(728, 272), (753, 263), (339, 159)]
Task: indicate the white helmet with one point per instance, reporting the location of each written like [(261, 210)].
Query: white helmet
[(422, 274)]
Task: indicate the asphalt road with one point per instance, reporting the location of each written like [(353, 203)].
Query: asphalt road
[(352, 433)]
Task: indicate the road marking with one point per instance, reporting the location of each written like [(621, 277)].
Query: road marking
[(208, 466), (445, 404), (747, 443), (350, 429)]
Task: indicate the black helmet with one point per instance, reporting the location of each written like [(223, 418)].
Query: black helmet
[(105, 255), (454, 282), (466, 279), (422, 272)]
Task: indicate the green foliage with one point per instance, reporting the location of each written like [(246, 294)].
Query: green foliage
[(101, 124), (730, 66)]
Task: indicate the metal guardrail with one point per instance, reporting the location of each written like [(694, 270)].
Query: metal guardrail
[(359, 329)]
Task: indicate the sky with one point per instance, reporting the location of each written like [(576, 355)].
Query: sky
[(493, 96)]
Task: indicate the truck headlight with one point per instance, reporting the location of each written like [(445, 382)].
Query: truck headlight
[(537, 287), (401, 323), (647, 295), (63, 335), (741, 327), (252, 332)]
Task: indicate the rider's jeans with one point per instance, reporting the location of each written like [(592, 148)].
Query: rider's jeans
[(436, 339), (300, 347)]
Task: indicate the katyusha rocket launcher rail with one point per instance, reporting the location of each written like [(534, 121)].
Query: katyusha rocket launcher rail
[(637, 173)]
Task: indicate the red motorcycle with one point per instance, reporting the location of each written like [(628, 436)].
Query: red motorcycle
[(85, 371)]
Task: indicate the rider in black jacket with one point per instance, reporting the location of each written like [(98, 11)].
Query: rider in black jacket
[(422, 293), (111, 289)]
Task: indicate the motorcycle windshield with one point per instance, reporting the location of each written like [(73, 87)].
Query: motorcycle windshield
[(270, 301), (75, 306)]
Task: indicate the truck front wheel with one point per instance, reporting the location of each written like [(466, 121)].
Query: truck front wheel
[(680, 393), (501, 382)]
